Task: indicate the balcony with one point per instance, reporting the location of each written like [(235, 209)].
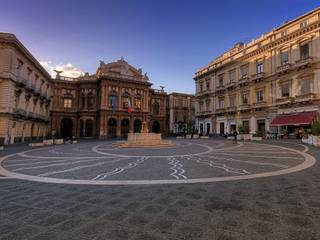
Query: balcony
[(304, 63), (203, 113), (231, 85), (284, 100), (243, 81), (19, 112), (220, 88), (30, 87), (244, 107), (259, 106), (21, 82), (258, 77), (220, 111), (285, 68), (231, 110), (203, 93), (306, 97)]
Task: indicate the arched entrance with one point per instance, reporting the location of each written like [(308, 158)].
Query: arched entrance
[(66, 128), (137, 126), (156, 127), (125, 128), (112, 128), (89, 128)]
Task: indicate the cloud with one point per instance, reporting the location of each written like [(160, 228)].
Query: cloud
[(68, 69)]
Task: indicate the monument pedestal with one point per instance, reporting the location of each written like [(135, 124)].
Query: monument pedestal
[(144, 139)]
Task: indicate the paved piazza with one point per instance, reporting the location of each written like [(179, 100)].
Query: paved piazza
[(186, 162), (198, 189)]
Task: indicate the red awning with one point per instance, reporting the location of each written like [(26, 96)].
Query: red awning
[(294, 119)]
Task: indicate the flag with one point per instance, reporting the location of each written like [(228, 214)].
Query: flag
[(129, 106)]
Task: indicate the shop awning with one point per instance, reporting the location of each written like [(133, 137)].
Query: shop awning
[(294, 119)]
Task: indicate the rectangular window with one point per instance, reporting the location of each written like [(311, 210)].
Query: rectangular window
[(259, 67), (232, 100), (201, 87), (207, 85), (284, 57), (304, 51), (245, 98), (306, 87), (232, 75), (67, 103), (220, 77), (221, 103), (244, 71), (260, 96), (285, 90)]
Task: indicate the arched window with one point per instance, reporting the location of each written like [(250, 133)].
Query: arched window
[(113, 100), (125, 100), (90, 100), (155, 108), (137, 102)]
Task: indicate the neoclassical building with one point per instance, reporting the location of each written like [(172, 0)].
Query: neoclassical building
[(25, 93), (114, 101), (269, 84), (181, 112)]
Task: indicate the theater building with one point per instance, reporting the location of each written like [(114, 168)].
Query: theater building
[(114, 101), (269, 84), (25, 93)]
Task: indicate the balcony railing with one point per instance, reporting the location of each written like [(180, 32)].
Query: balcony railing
[(231, 85), (244, 107), (305, 62), (243, 81), (306, 97), (22, 81), (31, 87), (231, 109), (220, 110), (283, 68), (260, 104), (258, 77), (284, 100)]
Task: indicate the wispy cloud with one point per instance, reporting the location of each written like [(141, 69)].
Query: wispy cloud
[(68, 69)]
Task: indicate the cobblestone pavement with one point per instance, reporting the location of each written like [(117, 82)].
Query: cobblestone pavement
[(278, 207)]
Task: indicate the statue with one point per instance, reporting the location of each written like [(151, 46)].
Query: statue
[(58, 73), (144, 128)]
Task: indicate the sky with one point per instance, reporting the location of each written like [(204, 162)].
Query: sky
[(168, 39)]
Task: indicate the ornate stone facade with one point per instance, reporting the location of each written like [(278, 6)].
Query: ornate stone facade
[(253, 83), (181, 112), (25, 93), (114, 101)]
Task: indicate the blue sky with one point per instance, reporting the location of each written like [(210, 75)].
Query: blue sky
[(168, 39)]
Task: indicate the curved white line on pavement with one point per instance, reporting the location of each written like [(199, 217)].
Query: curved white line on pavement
[(176, 165), (309, 162)]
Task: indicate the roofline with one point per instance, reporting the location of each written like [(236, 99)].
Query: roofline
[(270, 32), (11, 38)]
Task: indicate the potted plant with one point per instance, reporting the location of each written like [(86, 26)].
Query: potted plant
[(58, 139), (48, 140), (243, 132), (315, 130)]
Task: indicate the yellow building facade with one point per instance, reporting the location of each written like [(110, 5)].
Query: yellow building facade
[(254, 84), (25, 93)]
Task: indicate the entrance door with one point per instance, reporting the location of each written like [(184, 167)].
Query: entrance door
[(125, 128), (137, 126), (221, 128), (66, 128), (208, 128), (112, 128), (156, 127), (89, 128), (261, 128)]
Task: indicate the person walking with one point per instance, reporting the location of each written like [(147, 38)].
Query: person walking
[(235, 135)]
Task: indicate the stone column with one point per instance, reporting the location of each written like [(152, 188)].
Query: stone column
[(118, 127), (131, 124)]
